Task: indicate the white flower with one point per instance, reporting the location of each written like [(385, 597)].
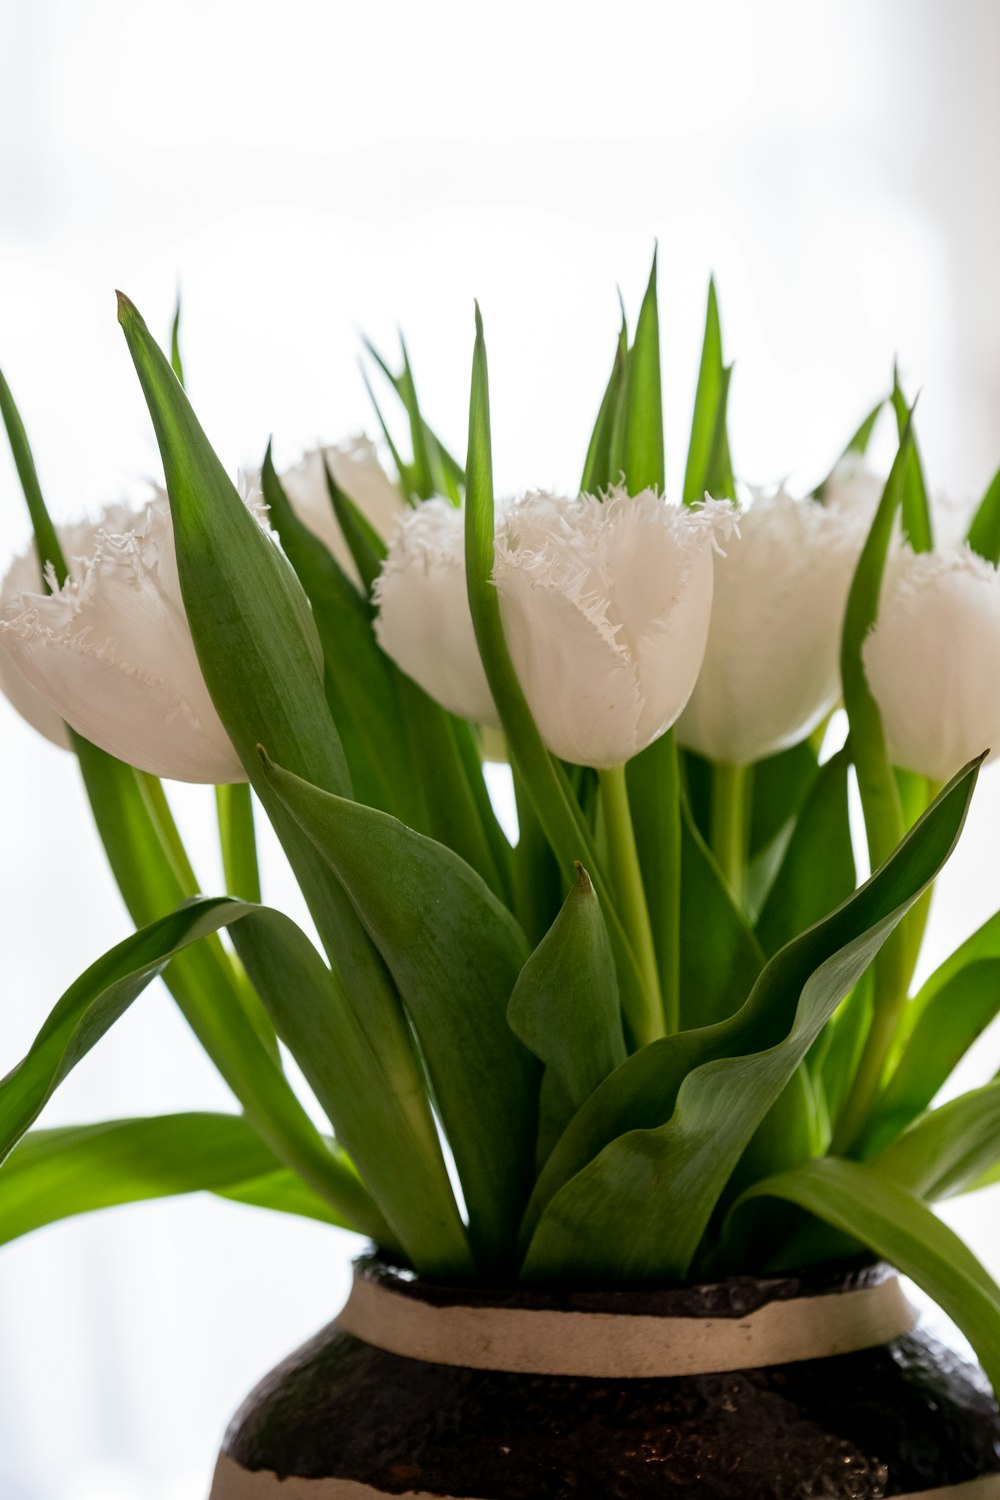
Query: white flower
[(357, 471), (605, 607), (424, 623), (771, 668), (933, 660), (111, 651)]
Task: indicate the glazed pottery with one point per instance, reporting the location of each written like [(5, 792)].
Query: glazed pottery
[(797, 1386)]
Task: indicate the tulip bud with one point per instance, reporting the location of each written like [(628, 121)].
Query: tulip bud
[(771, 668), (932, 660), (424, 623), (357, 471), (110, 653), (605, 607)]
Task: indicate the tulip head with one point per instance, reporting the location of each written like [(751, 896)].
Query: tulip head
[(424, 622), (357, 471), (110, 653), (771, 668), (932, 660), (605, 607)]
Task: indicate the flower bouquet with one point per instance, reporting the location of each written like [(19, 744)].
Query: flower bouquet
[(637, 1106)]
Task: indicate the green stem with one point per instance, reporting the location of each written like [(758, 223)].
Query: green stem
[(728, 825), (238, 840), (635, 913), (874, 1056)]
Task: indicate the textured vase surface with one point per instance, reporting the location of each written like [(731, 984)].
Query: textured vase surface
[(819, 1386)]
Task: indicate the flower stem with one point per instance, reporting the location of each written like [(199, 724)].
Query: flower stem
[(634, 911), (728, 825)]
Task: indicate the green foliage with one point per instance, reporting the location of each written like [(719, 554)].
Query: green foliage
[(476, 1003)]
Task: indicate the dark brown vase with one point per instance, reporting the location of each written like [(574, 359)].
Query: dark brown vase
[(817, 1386)]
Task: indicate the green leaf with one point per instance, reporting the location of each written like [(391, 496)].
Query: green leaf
[(780, 785), (542, 777), (857, 445), (102, 995), (434, 470), (455, 953), (76, 1169), (630, 1188), (565, 1007), (984, 533), (176, 363), (644, 462), (598, 474), (720, 958), (817, 872), (653, 779), (262, 660), (46, 540), (364, 543), (844, 1041), (949, 1148), (378, 1113), (879, 791), (706, 404), (915, 505), (896, 1226), (956, 1015)]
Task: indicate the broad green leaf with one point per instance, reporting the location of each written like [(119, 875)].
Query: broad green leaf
[(915, 506), (77, 1169), (780, 785), (455, 953), (598, 474), (948, 1148), (957, 1014), (817, 872), (542, 777), (263, 663), (407, 756), (630, 1188), (153, 872), (565, 1006), (899, 1228), (984, 533), (368, 1093), (104, 992), (706, 404), (720, 958), (644, 462), (360, 681)]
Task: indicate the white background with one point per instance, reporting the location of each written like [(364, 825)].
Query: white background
[(310, 170)]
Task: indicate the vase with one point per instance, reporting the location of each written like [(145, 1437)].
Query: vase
[(819, 1385)]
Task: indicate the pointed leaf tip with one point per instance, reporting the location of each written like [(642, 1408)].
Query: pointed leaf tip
[(583, 880), (479, 320)]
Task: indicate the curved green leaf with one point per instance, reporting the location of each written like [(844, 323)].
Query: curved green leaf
[(644, 462), (949, 1148), (818, 871), (565, 1006), (629, 1190), (76, 1169), (984, 533), (455, 953), (597, 471), (896, 1226)]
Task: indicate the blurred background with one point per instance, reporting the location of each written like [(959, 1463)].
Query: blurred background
[(309, 171)]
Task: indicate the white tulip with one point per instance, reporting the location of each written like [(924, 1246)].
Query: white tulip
[(605, 606), (424, 623), (771, 668), (933, 660), (111, 651), (357, 471)]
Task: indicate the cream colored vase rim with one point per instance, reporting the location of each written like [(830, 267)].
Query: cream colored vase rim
[(625, 1346)]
